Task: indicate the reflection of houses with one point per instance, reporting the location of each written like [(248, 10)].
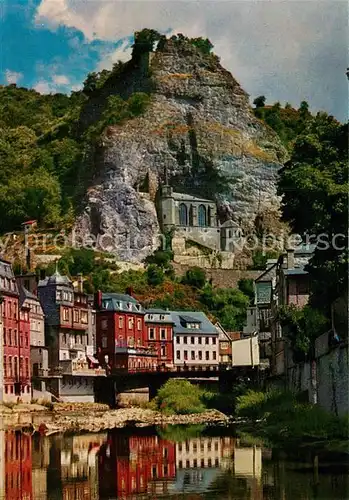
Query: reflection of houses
[(40, 463), (73, 470), (72, 367), (136, 465), (18, 466), (195, 341)]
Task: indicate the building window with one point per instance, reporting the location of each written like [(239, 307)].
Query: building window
[(10, 337), (76, 315), (185, 340), (5, 367), (163, 333), (214, 355), (104, 324), (130, 323), (104, 342), (200, 355), (84, 317), (26, 339), (192, 340), (207, 355), (224, 346), (139, 325), (93, 318), (214, 340), (121, 321), (183, 215), (178, 340), (193, 355), (5, 336), (185, 355), (65, 314), (207, 340), (64, 340), (202, 220), (163, 351), (151, 333), (199, 340)]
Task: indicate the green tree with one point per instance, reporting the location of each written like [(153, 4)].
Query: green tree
[(155, 275), (35, 195), (259, 101), (314, 187), (195, 277)]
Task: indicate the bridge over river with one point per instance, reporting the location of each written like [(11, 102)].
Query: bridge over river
[(108, 388)]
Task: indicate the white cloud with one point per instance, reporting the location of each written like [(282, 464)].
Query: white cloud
[(12, 76), (286, 50), (44, 87), (60, 79), (121, 53)]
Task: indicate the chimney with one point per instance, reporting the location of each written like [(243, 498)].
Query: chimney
[(129, 291), (98, 300), (290, 258), (80, 283)]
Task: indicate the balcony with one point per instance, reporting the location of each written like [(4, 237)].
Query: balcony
[(41, 373), (80, 368), (73, 346), (123, 348)]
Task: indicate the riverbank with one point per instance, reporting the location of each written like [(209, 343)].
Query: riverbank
[(281, 418), (85, 417)]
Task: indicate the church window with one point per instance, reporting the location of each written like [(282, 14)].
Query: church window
[(183, 215), (202, 216)]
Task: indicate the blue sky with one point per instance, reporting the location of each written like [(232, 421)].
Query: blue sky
[(287, 50)]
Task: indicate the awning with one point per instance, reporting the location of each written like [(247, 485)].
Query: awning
[(93, 360)]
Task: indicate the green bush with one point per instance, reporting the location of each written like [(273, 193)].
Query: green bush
[(179, 397), (195, 277), (285, 416)]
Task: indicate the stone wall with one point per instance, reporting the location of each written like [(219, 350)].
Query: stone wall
[(221, 278), (331, 377)]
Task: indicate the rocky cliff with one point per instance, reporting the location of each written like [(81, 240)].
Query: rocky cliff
[(199, 127)]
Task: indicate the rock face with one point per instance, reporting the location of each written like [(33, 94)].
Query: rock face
[(199, 128)]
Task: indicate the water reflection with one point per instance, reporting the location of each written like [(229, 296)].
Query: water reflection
[(145, 465)]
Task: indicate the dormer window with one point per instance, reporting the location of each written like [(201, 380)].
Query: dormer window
[(129, 306), (162, 316)]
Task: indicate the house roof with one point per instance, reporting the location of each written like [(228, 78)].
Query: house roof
[(55, 279), (25, 294), (296, 271), (120, 302), (180, 318), (189, 197), (268, 274)]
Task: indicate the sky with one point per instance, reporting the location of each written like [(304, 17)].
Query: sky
[(287, 50)]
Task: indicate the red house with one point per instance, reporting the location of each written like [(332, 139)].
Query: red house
[(120, 333), (15, 338), (159, 333)]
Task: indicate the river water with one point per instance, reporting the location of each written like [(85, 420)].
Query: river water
[(176, 463)]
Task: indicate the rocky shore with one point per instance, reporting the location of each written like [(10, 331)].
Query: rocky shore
[(95, 418)]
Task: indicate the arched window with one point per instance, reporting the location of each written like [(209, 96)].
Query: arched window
[(183, 215), (202, 216)]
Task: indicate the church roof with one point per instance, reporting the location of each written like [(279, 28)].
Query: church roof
[(189, 197), (55, 279)]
